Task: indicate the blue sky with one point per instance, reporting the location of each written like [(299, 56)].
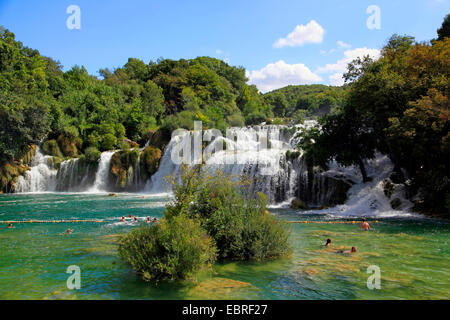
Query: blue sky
[(243, 32)]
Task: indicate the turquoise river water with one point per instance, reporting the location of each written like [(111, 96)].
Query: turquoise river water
[(412, 253)]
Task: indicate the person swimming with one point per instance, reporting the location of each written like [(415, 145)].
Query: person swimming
[(353, 250), (328, 243), (148, 220), (135, 219), (10, 226), (130, 216), (69, 231), (155, 220), (364, 225), (123, 219)]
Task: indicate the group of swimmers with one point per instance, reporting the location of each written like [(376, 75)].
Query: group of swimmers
[(364, 225), (135, 219)]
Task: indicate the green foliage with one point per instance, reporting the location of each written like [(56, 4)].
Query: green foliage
[(176, 248), (239, 224), (92, 154), (444, 31), (397, 105), (51, 148), (304, 101)]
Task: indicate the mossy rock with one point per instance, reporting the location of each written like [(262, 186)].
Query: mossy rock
[(29, 155), (396, 203), (51, 148), (68, 146), (9, 172), (299, 204), (388, 188), (121, 163), (150, 160)]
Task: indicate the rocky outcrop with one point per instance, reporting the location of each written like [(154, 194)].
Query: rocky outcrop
[(318, 190), (123, 164), (11, 170), (150, 159)]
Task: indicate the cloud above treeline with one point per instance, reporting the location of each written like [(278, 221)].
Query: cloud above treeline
[(302, 34), (337, 69), (280, 74)]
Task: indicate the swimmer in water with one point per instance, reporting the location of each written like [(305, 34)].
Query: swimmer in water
[(155, 220), (10, 226), (135, 219), (123, 219), (328, 243), (148, 220), (130, 216), (69, 231), (364, 225), (353, 250)]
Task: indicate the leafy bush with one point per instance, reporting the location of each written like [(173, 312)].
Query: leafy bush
[(239, 224), (51, 148), (92, 154), (177, 248)]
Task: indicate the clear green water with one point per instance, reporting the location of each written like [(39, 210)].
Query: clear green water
[(412, 253)]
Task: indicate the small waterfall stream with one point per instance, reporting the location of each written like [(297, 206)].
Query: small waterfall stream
[(102, 174), (41, 176)]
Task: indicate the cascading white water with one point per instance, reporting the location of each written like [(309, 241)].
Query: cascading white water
[(40, 178), (258, 152), (102, 174)]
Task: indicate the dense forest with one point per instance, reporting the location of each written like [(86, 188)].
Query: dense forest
[(74, 114), (397, 105), (306, 101)]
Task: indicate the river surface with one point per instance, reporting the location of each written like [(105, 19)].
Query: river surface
[(413, 255)]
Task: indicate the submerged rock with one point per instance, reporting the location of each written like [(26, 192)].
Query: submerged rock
[(299, 204)]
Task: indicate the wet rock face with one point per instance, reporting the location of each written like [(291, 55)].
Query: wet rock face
[(51, 148), (68, 146), (123, 164), (299, 204), (150, 160), (129, 170), (11, 170), (318, 190)]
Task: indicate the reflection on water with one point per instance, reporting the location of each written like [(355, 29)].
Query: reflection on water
[(413, 254)]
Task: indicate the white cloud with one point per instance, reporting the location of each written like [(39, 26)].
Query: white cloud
[(218, 51), (310, 33), (340, 66), (336, 79), (280, 74), (342, 44)]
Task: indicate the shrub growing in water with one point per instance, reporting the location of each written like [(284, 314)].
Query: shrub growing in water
[(238, 223), (211, 216), (177, 248)]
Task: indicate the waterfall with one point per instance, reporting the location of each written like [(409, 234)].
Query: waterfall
[(258, 152), (102, 174), (40, 178), (137, 174)]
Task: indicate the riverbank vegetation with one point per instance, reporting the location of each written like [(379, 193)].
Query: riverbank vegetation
[(210, 217), (398, 105)]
